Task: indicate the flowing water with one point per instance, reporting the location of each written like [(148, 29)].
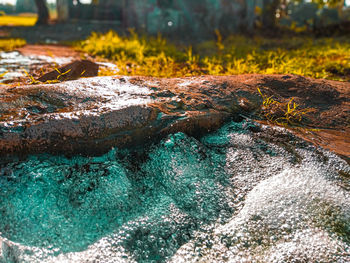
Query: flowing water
[(245, 193)]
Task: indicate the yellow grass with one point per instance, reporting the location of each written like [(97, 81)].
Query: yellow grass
[(18, 20), (11, 43), (318, 58)]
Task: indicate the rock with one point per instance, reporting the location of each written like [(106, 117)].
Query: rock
[(246, 192), (74, 70), (91, 115)]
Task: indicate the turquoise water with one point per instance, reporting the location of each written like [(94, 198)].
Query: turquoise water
[(67, 204), (144, 205)]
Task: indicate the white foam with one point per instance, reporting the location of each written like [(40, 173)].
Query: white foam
[(290, 215)]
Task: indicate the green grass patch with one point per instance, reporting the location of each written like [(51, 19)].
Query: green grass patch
[(18, 20), (318, 58), (11, 44)]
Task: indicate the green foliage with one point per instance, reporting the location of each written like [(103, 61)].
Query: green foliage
[(134, 55), (11, 43)]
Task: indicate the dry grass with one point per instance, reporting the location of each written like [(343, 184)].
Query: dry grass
[(318, 58), (11, 44), (18, 20), (283, 113)]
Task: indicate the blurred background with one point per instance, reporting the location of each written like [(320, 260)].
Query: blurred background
[(192, 18), (172, 38)]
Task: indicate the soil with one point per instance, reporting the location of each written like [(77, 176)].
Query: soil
[(49, 50)]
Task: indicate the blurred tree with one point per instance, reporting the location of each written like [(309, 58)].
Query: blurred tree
[(272, 9), (43, 12), (7, 9), (268, 17), (24, 6), (62, 7)]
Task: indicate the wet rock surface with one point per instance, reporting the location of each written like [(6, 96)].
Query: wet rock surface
[(138, 169), (15, 65), (91, 115)]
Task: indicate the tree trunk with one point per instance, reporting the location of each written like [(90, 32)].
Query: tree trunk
[(62, 7), (340, 9), (269, 13), (250, 14), (43, 12)]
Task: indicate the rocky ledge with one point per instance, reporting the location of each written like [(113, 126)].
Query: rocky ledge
[(92, 115)]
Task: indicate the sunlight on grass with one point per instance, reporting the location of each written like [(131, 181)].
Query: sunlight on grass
[(283, 114), (11, 44), (19, 20), (135, 55)]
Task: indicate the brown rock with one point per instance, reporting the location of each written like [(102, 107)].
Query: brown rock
[(74, 70), (90, 116)]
